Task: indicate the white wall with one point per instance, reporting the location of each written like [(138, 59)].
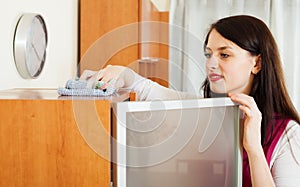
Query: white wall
[(61, 17)]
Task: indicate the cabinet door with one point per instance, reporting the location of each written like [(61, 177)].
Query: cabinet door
[(41, 143), (101, 19), (111, 33), (154, 55)]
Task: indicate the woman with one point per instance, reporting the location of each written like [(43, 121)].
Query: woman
[(242, 61)]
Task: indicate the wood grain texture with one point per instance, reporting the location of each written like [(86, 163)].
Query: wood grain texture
[(41, 145), (148, 13), (158, 72), (101, 17)]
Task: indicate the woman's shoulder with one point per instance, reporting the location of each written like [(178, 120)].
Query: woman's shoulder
[(288, 142), (286, 156), (291, 139), (292, 129)]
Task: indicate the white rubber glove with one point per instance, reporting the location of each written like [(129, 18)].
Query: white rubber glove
[(114, 76), (121, 77)]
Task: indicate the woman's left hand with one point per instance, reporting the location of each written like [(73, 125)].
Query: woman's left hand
[(252, 122)]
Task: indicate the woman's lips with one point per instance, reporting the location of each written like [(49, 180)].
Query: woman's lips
[(213, 77)]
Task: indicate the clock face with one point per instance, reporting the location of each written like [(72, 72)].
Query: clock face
[(30, 45)]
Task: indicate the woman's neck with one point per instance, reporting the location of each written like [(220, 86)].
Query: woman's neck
[(214, 95)]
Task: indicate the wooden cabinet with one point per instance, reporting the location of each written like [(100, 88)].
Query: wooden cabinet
[(46, 140), (41, 143), (119, 21), (99, 18)]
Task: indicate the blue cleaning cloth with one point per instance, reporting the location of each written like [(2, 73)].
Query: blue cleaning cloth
[(76, 84), (79, 88)]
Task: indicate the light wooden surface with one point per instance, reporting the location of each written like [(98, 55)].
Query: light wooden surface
[(51, 94), (158, 31), (148, 13), (120, 19), (99, 18), (52, 142)]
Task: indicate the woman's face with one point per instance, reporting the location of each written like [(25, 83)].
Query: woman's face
[(229, 68)]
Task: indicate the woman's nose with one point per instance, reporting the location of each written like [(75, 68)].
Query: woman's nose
[(212, 63)]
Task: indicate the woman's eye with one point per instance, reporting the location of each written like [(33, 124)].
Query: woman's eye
[(207, 55), (224, 55)]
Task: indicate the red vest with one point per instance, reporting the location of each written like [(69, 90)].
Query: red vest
[(279, 127)]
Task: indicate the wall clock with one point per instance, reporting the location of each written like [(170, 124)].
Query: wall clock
[(30, 44)]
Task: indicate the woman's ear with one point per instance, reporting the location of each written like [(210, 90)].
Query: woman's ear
[(257, 66)]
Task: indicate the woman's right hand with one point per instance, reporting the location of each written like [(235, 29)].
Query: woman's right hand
[(114, 76), (252, 122)]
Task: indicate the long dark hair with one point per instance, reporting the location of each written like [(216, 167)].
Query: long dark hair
[(268, 87)]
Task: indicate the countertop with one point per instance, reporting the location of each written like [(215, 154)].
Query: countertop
[(51, 94)]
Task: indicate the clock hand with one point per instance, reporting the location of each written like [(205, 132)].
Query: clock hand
[(36, 53)]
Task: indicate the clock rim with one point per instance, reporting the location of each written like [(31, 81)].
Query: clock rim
[(20, 45)]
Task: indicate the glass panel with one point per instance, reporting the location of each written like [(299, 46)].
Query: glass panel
[(186, 147)]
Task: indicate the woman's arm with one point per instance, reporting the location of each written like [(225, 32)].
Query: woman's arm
[(285, 162), (122, 77), (259, 169)]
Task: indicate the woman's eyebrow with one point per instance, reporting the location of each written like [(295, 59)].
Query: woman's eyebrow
[(219, 48), (207, 48), (224, 47)]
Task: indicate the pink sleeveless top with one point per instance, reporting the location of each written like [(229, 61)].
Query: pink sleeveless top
[(279, 127)]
